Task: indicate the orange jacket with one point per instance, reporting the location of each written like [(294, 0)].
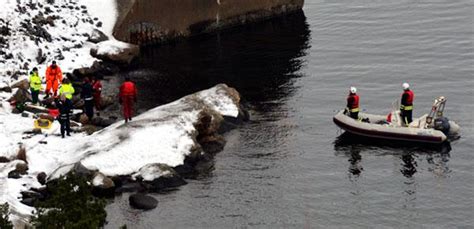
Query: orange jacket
[(53, 74)]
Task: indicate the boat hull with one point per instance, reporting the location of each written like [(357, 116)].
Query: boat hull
[(387, 131)]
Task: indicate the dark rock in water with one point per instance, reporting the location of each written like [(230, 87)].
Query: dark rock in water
[(141, 201), (130, 187), (14, 174), (97, 36), (41, 177), (99, 24), (212, 144), (231, 122)]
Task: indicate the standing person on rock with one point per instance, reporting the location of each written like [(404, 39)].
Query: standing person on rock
[(127, 97), (64, 105), (96, 92), (54, 76), (86, 95), (35, 85)]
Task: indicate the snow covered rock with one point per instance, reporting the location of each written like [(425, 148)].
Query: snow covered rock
[(115, 51), (141, 201), (103, 186), (97, 36), (159, 176)]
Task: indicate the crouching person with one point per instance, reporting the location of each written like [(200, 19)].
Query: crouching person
[(64, 105)]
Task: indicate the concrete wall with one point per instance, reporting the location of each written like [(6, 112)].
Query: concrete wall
[(154, 21)]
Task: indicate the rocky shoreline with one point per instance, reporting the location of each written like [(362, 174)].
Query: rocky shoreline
[(210, 113), (26, 180)]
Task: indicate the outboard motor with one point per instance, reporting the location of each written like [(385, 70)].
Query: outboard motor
[(442, 124)]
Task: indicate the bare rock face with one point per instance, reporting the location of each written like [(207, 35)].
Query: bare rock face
[(21, 96), (4, 159), (97, 36), (41, 177), (22, 84)]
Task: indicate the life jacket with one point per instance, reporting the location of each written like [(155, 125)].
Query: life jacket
[(35, 82), (407, 104), (128, 89), (354, 105), (67, 90)]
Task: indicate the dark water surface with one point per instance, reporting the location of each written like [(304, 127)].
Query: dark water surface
[(288, 167)]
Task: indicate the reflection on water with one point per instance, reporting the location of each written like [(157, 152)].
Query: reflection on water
[(249, 59), (408, 165), (351, 146), (355, 167)]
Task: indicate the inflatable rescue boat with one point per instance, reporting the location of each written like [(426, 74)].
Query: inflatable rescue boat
[(429, 128)]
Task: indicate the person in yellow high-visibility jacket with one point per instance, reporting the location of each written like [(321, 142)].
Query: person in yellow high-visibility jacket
[(35, 85), (66, 89)]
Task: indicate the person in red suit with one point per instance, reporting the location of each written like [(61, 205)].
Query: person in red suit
[(353, 103), (96, 92), (127, 97)]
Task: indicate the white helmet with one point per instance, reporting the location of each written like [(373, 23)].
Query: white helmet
[(353, 90), (405, 86)]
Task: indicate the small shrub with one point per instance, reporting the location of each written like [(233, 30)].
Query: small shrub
[(4, 221), (71, 205)]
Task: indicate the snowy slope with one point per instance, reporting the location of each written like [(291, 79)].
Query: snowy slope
[(40, 32), (161, 135), (32, 34)]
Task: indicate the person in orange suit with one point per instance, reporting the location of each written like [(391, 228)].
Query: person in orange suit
[(127, 97), (54, 76)]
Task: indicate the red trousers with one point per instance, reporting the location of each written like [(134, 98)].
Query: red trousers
[(97, 101), (52, 84), (127, 104)]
